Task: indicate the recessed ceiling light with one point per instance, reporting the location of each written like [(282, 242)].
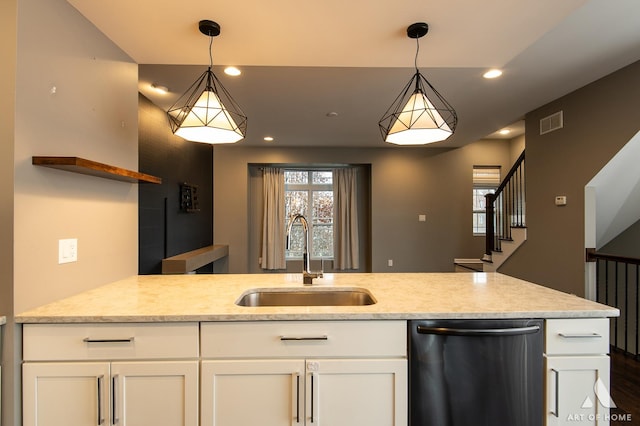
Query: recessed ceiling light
[(268, 138), (160, 89), (232, 71), (492, 73), (505, 131)]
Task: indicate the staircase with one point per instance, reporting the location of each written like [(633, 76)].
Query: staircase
[(508, 247), (505, 219)]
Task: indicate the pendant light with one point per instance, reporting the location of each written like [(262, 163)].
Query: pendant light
[(206, 112), (419, 115)]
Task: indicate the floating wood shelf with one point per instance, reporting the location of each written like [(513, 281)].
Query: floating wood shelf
[(192, 260), (93, 168)]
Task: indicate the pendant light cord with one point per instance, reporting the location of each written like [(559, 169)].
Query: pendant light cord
[(415, 62), (210, 51)]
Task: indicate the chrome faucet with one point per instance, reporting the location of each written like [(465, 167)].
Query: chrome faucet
[(307, 275)]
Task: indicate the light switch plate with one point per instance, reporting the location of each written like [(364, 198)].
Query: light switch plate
[(67, 250)]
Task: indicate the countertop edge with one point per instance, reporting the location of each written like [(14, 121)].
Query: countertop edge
[(314, 317)]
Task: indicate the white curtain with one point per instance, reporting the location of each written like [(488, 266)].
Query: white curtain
[(345, 219), (273, 232)]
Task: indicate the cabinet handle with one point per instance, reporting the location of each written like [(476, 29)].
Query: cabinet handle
[(114, 396), (100, 383), (90, 340), (313, 392), (285, 338), (297, 397), (556, 409), (580, 335)]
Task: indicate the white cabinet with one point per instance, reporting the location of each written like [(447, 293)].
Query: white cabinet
[(252, 392), (126, 375), (75, 394), (304, 373), (356, 392), (155, 393), (577, 372)]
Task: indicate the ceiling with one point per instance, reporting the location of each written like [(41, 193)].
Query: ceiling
[(303, 60)]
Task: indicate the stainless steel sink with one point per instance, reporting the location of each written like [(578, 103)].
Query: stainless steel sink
[(306, 297)]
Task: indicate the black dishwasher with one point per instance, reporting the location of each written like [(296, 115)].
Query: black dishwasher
[(476, 372)]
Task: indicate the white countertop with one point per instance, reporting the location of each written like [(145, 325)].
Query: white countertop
[(3, 320), (178, 298)]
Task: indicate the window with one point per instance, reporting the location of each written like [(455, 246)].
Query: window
[(310, 193), (485, 181)]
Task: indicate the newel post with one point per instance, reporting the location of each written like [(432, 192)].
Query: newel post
[(489, 222)]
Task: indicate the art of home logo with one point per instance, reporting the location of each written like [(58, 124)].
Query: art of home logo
[(604, 399)]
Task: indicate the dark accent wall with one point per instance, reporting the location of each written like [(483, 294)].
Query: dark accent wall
[(164, 229)]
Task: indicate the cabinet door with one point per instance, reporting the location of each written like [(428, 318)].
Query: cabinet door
[(252, 392), (578, 390), (155, 393), (356, 392), (73, 394)]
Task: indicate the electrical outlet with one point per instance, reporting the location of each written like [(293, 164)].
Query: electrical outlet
[(390, 262), (67, 250), (422, 218)]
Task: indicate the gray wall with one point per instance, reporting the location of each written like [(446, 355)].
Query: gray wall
[(598, 120), (93, 114), (516, 147), (404, 184)]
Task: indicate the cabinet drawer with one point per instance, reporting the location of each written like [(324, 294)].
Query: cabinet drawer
[(303, 339), (577, 336), (58, 342)]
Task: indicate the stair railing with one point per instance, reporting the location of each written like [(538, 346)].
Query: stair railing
[(505, 208), (618, 285)]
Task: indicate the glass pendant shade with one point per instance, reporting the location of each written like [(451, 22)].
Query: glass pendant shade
[(418, 116), (207, 113)]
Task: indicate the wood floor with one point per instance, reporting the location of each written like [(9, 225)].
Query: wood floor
[(625, 389)]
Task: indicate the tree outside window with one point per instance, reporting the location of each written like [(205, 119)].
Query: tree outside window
[(310, 193)]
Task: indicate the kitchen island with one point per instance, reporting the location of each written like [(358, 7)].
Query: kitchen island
[(178, 350)]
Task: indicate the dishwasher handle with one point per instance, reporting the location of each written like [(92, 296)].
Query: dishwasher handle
[(446, 331)]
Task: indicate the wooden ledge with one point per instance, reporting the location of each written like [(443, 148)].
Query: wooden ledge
[(192, 260), (93, 168)]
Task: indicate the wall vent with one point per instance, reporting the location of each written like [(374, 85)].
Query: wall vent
[(551, 123)]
